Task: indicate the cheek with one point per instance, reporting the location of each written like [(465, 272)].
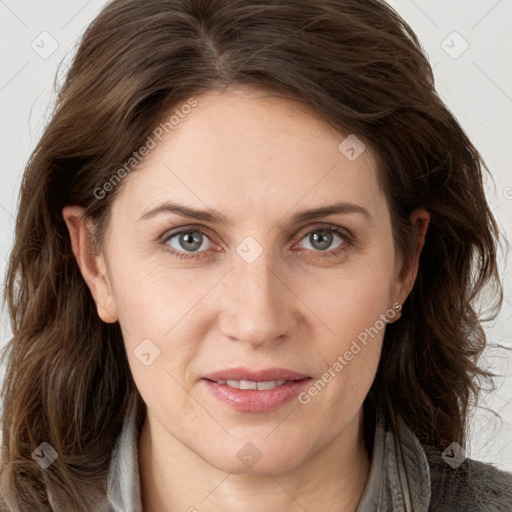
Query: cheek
[(155, 309), (152, 299), (155, 314), (350, 361), (349, 299), (352, 306)]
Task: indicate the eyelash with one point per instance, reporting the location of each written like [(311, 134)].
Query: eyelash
[(348, 241)]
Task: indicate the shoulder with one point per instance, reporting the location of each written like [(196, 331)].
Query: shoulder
[(473, 486)]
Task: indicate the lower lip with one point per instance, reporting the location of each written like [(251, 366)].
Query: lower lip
[(252, 400)]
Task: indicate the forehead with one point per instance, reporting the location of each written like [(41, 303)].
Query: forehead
[(253, 152)]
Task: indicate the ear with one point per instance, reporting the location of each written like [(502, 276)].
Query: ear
[(406, 278), (92, 266)]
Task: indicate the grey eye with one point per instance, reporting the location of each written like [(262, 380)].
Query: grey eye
[(321, 239), (188, 241)]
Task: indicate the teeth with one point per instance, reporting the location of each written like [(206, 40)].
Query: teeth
[(246, 384), (250, 384)]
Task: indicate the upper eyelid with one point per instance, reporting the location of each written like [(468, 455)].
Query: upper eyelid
[(184, 229)]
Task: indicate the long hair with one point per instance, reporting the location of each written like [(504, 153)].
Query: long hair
[(362, 69)]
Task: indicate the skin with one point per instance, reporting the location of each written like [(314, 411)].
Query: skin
[(258, 160)]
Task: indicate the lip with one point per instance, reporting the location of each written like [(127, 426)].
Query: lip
[(241, 373), (252, 400)]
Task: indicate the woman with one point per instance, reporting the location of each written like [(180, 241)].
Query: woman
[(247, 254)]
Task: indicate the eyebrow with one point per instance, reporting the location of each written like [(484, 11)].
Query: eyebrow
[(215, 217)]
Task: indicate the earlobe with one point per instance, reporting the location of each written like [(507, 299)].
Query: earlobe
[(92, 266)]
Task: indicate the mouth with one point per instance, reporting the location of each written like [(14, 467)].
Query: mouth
[(255, 390), (251, 384)]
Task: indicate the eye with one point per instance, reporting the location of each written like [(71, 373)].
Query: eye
[(186, 242), (321, 239), (193, 243)]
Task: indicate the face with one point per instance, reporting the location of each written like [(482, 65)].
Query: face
[(265, 293)]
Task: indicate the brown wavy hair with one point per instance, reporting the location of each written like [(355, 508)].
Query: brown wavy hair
[(362, 69)]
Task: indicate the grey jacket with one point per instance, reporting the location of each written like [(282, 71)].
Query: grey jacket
[(403, 477)]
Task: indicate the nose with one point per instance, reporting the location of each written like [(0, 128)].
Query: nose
[(257, 303)]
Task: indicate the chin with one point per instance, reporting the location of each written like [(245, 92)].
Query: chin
[(256, 457)]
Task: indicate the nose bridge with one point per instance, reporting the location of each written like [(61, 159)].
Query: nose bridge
[(255, 305)]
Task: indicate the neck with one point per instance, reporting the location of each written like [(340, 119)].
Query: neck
[(173, 478)]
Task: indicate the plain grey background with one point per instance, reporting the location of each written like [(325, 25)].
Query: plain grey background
[(469, 45)]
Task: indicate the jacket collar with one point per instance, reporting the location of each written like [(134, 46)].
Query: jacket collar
[(399, 477), (123, 486)]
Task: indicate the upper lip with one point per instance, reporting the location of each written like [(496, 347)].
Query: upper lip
[(263, 375)]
